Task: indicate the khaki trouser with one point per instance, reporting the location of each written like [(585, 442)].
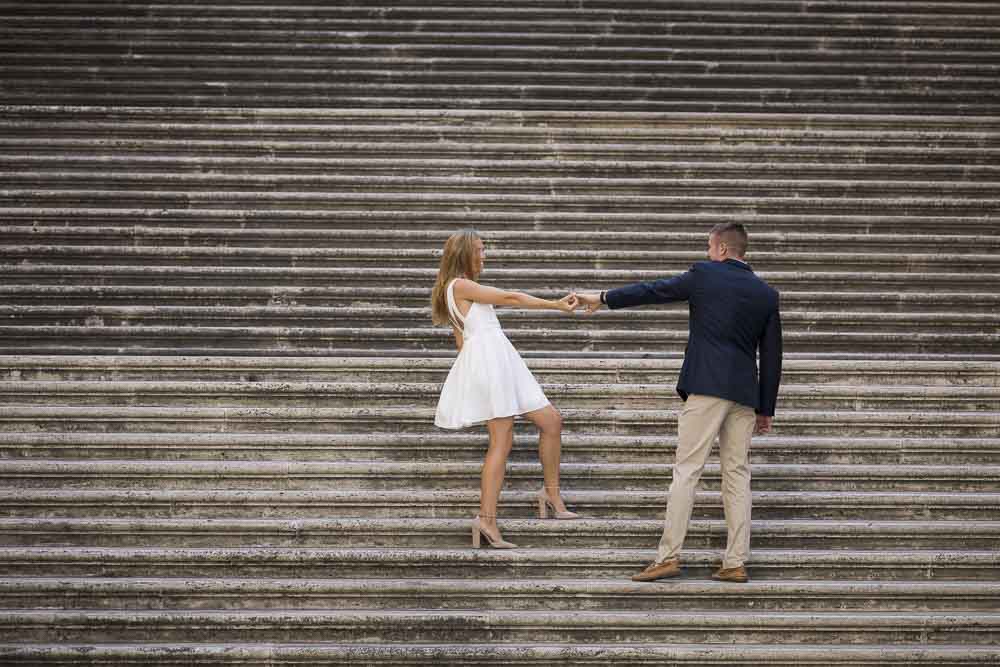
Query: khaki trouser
[(701, 420)]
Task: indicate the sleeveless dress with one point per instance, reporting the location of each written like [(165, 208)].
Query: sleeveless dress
[(488, 379)]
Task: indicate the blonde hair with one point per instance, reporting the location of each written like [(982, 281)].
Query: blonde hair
[(457, 261)]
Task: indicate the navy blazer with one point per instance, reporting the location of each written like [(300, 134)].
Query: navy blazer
[(733, 316)]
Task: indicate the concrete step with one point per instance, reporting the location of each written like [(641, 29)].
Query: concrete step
[(416, 297), (378, 204), (329, 421), (130, 132), (510, 244), (682, 179), (713, 10), (707, 196), (454, 533), (885, 64), (531, 279), (435, 626), (687, 219), (186, 76), (579, 119), (233, 37), (778, 655), (380, 475), (666, 261), (569, 594), (704, 93), (586, 22), (297, 147), (230, 36), (291, 504), (374, 96), (798, 564), (356, 341), (560, 129), (796, 370), (520, 325), (467, 446), (605, 396)]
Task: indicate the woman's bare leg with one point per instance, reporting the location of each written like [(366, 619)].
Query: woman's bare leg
[(495, 464), (549, 423)]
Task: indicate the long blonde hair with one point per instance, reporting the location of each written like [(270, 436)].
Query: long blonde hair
[(457, 261)]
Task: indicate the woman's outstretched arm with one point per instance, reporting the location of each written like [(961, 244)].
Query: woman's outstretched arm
[(473, 291)]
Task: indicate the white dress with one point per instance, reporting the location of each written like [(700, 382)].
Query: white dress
[(488, 379)]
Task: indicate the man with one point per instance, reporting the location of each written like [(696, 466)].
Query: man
[(733, 316)]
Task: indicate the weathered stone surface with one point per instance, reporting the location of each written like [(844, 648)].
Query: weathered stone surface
[(220, 224)]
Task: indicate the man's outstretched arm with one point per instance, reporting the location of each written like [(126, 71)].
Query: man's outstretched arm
[(664, 290)]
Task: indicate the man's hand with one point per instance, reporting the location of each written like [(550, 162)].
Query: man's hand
[(569, 303), (590, 300), (763, 424)]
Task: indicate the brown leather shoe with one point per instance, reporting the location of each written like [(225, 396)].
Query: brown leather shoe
[(663, 569), (734, 574)]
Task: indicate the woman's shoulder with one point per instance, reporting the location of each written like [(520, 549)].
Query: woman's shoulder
[(464, 284)]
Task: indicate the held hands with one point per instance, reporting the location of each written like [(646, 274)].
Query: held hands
[(589, 300), (569, 303)]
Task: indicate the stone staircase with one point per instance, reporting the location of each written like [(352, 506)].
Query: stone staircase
[(219, 224)]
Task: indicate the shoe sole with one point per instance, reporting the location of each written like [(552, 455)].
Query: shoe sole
[(657, 578)]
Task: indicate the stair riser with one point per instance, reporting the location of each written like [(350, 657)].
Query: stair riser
[(362, 97), (668, 266), (306, 341), (131, 240), (412, 47), (72, 299), (564, 599), (948, 453), (394, 322), (313, 509), (498, 81), (235, 423), (451, 631), (316, 151), (618, 24), (376, 480), (717, 202), (328, 567), (39, 186), (552, 282), (287, 506), (252, 655), (453, 539), (624, 13), (760, 221), (623, 16), (658, 398), (961, 48), (863, 374)]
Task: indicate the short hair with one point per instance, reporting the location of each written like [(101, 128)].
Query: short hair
[(734, 235)]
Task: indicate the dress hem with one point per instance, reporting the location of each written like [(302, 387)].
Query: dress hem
[(481, 422)]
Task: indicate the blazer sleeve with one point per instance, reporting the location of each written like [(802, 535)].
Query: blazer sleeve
[(665, 290), (770, 364)]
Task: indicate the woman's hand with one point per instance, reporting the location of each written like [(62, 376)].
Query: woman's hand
[(569, 303)]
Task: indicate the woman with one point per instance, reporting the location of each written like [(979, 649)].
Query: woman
[(489, 382)]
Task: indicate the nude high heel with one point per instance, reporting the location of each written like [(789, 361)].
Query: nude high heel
[(544, 504), (477, 531)]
